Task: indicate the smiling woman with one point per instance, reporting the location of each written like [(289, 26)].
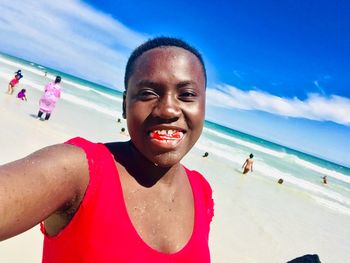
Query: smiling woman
[(123, 201), (167, 97)]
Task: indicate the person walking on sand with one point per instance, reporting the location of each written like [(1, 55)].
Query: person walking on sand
[(48, 101), (248, 164), (14, 82)]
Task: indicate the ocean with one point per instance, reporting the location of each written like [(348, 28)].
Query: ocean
[(300, 171)]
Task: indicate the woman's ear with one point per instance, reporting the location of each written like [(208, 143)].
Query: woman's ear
[(124, 105)]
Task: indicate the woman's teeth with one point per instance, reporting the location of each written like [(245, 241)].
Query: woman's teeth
[(165, 131), (166, 134)]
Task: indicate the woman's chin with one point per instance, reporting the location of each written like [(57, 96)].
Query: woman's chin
[(166, 160)]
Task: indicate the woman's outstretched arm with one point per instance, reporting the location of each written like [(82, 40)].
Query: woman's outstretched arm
[(35, 187)]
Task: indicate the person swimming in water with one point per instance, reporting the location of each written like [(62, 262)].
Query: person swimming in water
[(248, 164)]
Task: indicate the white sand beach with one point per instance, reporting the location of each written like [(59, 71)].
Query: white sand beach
[(256, 220)]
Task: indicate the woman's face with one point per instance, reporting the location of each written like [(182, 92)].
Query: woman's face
[(165, 104)]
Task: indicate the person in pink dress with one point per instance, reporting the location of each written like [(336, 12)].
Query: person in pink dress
[(48, 101)]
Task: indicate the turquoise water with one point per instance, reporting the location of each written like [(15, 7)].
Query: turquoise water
[(279, 148), (300, 171)]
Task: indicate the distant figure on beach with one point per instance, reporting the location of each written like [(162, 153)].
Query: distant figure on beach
[(48, 101), (14, 82), (206, 154), (123, 131), (22, 95), (280, 181), (45, 74), (248, 164), (118, 120), (324, 178)]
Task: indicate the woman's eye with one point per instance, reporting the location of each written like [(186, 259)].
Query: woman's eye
[(187, 95), (147, 94)]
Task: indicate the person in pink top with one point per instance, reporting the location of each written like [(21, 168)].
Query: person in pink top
[(48, 101), (127, 201)]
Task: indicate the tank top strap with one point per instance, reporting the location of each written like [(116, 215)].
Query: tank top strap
[(203, 188)]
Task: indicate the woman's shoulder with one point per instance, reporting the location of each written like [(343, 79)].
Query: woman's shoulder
[(200, 179), (62, 153), (79, 141), (89, 148), (204, 190)]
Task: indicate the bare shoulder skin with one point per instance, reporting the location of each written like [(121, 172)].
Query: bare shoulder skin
[(48, 182)]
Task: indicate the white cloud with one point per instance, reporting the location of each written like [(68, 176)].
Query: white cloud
[(73, 37), (68, 35), (315, 106)]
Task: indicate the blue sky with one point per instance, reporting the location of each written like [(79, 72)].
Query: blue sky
[(276, 69)]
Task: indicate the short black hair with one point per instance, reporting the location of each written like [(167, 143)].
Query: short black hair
[(155, 43), (251, 155), (58, 79)]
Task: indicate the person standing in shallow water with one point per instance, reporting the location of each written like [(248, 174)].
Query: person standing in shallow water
[(48, 101), (123, 201), (248, 164), (324, 179)]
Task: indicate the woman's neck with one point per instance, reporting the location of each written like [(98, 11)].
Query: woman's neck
[(145, 172)]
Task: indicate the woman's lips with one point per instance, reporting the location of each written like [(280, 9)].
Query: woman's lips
[(166, 135)]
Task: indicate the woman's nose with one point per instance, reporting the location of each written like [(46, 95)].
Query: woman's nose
[(167, 107)]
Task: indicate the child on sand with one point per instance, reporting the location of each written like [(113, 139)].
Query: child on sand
[(22, 95), (13, 83), (248, 164)]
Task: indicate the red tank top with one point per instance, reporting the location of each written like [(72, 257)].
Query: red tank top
[(101, 230)]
